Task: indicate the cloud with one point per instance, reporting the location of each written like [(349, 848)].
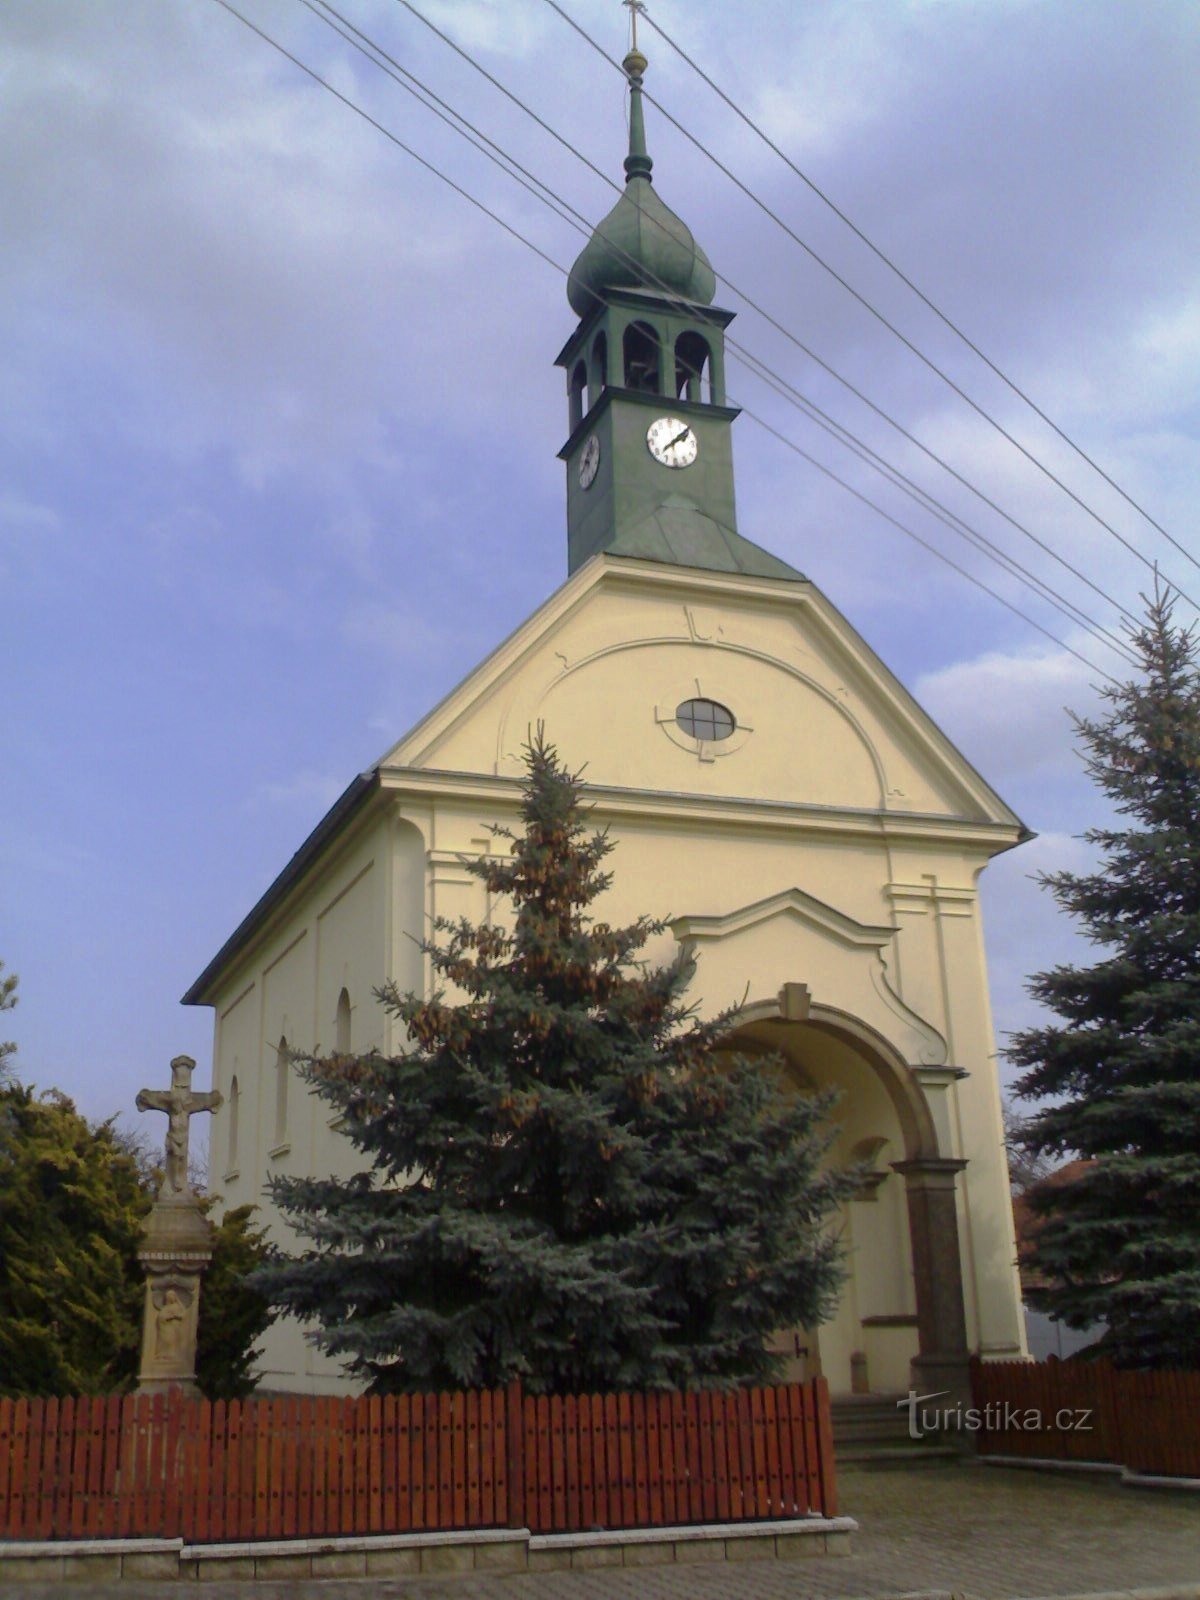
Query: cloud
[(235, 246), (26, 517), (304, 792), (1008, 710), (294, 402), (497, 29), (399, 632), (1026, 932)]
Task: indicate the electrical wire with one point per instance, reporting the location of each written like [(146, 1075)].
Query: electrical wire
[(924, 543), (882, 256), (885, 416), (978, 541), (867, 305), (424, 95), (373, 51), (542, 255), (388, 134)]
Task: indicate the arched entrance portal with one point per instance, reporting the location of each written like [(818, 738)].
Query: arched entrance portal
[(900, 1319)]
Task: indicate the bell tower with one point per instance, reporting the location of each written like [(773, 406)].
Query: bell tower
[(649, 455)]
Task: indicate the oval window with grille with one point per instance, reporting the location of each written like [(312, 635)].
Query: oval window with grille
[(705, 719)]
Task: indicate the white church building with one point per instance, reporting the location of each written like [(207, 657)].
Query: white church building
[(763, 775)]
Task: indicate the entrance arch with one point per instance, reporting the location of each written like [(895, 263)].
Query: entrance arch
[(900, 1321)]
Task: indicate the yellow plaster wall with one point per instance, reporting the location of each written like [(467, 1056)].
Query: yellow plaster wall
[(608, 672), (330, 935), (835, 787)]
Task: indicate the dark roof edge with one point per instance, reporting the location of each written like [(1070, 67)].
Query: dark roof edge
[(335, 818)]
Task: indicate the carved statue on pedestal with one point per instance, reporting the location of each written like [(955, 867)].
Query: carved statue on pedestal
[(176, 1244)]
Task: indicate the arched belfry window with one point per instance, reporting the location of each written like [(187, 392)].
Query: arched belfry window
[(282, 1073), (341, 1027), (693, 368), (235, 1105), (599, 364), (642, 357), (578, 393)]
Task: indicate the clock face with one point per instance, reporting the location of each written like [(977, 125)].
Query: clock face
[(589, 463), (672, 441)]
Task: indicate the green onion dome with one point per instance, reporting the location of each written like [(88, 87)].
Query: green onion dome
[(641, 244)]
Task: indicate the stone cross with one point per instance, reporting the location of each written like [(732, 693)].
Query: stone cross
[(181, 1105)]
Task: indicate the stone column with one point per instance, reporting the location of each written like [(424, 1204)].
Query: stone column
[(942, 1362), (176, 1248)]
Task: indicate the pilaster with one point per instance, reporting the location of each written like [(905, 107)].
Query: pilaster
[(942, 1362)]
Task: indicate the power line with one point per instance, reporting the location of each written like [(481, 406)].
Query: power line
[(909, 284), (523, 239), (858, 448), (852, 388), (979, 541), (424, 95), (866, 304), (508, 93), (372, 50), (939, 509), (388, 134), (925, 545)]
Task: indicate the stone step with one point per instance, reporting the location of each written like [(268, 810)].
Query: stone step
[(850, 1438), (870, 1432), (872, 1421), (868, 1417)]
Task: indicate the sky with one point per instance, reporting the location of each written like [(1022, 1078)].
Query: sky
[(278, 412)]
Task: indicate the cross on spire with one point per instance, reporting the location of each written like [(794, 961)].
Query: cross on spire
[(633, 7)]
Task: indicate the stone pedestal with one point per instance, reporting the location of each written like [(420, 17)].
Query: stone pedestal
[(177, 1245)]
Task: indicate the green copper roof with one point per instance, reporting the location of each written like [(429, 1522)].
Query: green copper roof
[(678, 533), (641, 244)]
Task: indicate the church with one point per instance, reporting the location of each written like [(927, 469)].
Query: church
[(764, 776)]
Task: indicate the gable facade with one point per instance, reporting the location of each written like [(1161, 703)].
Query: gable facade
[(822, 863)]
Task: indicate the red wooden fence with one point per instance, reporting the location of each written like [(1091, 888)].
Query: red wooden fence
[(1146, 1421), (303, 1467)]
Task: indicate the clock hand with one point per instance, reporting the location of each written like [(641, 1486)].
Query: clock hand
[(678, 437)]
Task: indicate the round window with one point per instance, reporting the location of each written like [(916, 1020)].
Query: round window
[(705, 719)]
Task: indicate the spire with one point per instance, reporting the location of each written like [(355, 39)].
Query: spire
[(637, 162), (641, 244)]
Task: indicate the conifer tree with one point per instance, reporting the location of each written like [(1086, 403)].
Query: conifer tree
[(1118, 1078), (565, 1180), (8, 999), (73, 1197), (72, 1200)]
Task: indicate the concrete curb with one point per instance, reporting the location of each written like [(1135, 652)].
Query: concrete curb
[(1132, 1480), (1170, 1591), (491, 1550)]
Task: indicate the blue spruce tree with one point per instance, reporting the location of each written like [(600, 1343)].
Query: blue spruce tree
[(1118, 1078), (563, 1180)]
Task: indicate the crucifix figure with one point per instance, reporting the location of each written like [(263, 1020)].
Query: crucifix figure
[(180, 1104)]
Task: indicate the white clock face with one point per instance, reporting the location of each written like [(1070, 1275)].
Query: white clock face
[(672, 441), (589, 463)]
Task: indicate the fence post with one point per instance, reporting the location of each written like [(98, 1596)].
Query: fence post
[(1116, 1423), (514, 1440), (826, 1467)]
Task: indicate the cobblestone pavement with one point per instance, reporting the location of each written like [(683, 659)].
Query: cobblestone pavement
[(984, 1533)]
